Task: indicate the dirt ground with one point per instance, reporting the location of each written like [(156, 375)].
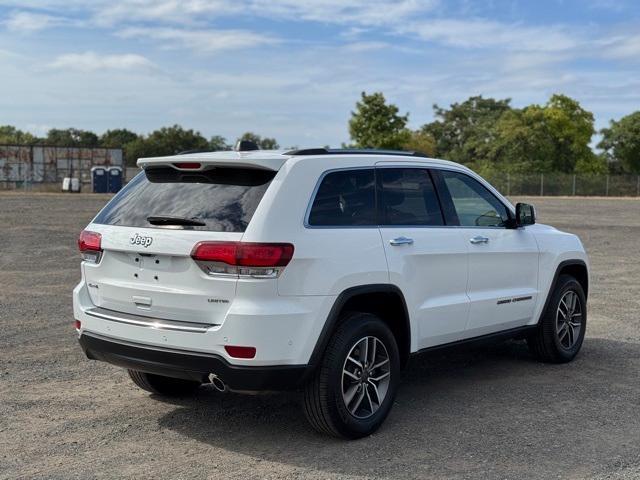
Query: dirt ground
[(490, 412)]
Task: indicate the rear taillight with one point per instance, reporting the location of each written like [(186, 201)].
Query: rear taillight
[(263, 260), (90, 246)]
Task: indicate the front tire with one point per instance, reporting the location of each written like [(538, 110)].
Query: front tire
[(161, 385), (353, 389), (561, 329)]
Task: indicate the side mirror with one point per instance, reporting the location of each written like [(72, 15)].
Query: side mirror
[(525, 215)]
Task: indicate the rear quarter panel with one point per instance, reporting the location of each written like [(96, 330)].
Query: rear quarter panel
[(326, 261)]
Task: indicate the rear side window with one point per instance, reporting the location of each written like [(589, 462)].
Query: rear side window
[(408, 197), (345, 198), (224, 199)]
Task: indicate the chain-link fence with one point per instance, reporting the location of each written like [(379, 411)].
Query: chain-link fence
[(566, 184)]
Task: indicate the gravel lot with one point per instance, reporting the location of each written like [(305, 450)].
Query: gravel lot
[(489, 412)]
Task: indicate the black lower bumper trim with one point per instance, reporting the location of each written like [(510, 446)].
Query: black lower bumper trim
[(190, 365)]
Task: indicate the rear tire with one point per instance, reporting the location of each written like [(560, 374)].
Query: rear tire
[(161, 385), (353, 389), (562, 327)]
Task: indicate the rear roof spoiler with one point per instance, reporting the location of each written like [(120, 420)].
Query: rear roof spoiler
[(260, 159)]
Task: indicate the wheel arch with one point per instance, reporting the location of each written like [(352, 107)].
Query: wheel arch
[(577, 269), (384, 300)]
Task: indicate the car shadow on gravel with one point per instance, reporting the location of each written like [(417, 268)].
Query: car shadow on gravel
[(473, 411)]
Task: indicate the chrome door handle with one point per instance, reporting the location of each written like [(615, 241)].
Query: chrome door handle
[(401, 241), (479, 239)]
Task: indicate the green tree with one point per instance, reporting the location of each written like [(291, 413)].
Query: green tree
[(621, 143), (522, 142), (421, 142), (139, 148), (11, 135), (218, 143), (71, 137), (117, 138), (594, 164), (265, 143), (572, 129), (550, 138), (376, 124), (165, 141), (463, 130)]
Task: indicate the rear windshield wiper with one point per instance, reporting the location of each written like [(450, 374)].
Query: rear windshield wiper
[(169, 220)]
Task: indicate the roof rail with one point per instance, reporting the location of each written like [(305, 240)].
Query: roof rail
[(352, 151)]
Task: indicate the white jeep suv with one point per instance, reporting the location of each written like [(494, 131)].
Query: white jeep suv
[(320, 270)]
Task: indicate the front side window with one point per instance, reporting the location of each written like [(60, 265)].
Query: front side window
[(408, 197), (345, 198), (475, 205)]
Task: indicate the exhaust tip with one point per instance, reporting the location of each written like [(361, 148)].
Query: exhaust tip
[(217, 383)]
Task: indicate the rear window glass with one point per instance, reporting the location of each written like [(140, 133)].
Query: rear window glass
[(223, 199), (345, 198)]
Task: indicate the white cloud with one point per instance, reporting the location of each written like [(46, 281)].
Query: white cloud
[(360, 12), (185, 22), (205, 41), (366, 46), (166, 11), (413, 18), (91, 61), (479, 33), (621, 47), (22, 21)]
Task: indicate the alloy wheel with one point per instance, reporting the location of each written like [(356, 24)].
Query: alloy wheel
[(366, 374), (569, 319)]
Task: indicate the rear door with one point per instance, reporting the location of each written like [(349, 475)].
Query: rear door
[(149, 231), (426, 259), (503, 262)]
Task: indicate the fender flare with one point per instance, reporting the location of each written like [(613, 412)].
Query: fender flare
[(556, 275), (333, 318)]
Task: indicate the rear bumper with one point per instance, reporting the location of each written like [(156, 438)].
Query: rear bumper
[(190, 365)]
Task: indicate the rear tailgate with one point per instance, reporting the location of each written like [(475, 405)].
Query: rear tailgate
[(159, 280), (148, 232)]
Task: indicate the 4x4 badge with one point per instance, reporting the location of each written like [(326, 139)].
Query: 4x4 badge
[(141, 240)]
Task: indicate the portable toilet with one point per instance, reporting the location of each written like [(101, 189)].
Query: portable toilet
[(99, 180), (115, 179)]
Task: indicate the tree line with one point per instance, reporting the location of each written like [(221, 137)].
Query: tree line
[(164, 141), (486, 134), (490, 135)]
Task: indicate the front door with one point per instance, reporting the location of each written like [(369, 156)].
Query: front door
[(503, 262), (426, 259)]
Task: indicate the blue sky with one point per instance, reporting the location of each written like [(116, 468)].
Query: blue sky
[(293, 69)]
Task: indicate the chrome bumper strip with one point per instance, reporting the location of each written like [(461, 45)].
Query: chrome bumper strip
[(150, 322)]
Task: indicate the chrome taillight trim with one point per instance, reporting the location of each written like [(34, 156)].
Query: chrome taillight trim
[(223, 270)]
